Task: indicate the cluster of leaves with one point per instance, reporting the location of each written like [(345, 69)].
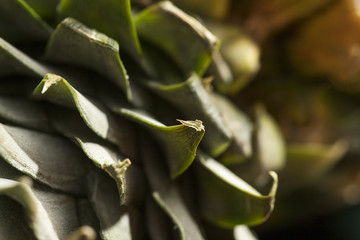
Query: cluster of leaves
[(123, 116), (98, 133)]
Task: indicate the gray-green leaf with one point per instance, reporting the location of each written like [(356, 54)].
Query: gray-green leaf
[(241, 128), (57, 90), (179, 142), (191, 98), (48, 158), (166, 195), (38, 218), (74, 43), (114, 218), (170, 29), (112, 17)]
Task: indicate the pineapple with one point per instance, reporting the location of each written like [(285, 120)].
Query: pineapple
[(108, 111), (162, 120)]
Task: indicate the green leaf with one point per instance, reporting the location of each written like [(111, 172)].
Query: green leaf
[(307, 163), (25, 113), (179, 142), (130, 182), (270, 144), (108, 160), (114, 218), (241, 128), (226, 200), (165, 193), (171, 30), (38, 218), (240, 53), (74, 43), (50, 159), (57, 90), (221, 71), (111, 17), (19, 22), (193, 101), (14, 62), (61, 208)]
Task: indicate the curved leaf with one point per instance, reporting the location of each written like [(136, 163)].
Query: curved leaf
[(192, 99), (130, 182), (61, 208), (270, 143), (38, 218), (108, 160), (159, 225), (166, 194), (114, 218), (19, 22), (74, 43), (241, 128), (228, 201), (48, 158), (240, 53), (172, 30), (307, 163), (179, 142), (57, 90), (112, 17)]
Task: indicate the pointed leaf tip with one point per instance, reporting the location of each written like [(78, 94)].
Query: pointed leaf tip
[(49, 80), (197, 124)]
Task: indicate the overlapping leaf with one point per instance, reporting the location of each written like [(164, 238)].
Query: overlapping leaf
[(171, 30), (111, 17), (240, 54), (194, 102), (74, 43), (39, 219), (24, 149), (179, 142), (57, 90), (166, 195), (114, 218), (241, 128), (227, 200)]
